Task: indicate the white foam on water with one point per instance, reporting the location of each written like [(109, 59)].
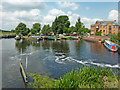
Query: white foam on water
[(63, 58)]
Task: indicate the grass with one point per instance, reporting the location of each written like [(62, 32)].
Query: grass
[(6, 33), (85, 77)]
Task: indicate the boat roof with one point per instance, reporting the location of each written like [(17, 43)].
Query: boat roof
[(109, 42)]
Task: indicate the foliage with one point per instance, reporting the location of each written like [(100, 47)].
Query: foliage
[(2, 33), (115, 38), (36, 28), (60, 24), (21, 29), (71, 30), (78, 26), (46, 29), (85, 77), (41, 81), (98, 33)]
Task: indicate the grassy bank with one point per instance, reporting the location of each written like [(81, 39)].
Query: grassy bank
[(2, 33), (85, 77)]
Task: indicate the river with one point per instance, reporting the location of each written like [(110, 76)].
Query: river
[(51, 58)]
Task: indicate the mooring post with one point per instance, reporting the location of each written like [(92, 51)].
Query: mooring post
[(23, 73), (21, 51), (26, 61)]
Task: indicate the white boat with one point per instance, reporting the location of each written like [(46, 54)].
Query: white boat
[(110, 45)]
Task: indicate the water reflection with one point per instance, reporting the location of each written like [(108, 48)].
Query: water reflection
[(60, 47), (45, 44), (22, 44), (77, 45)]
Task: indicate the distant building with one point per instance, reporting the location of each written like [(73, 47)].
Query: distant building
[(106, 27)]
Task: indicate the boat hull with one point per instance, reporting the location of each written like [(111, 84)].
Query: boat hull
[(109, 47)]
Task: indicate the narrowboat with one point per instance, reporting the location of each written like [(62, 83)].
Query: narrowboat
[(110, 45)]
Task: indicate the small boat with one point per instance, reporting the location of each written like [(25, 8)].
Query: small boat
[(76, 38), (18, 37), (39, 38), (110, 45), (51, 38)]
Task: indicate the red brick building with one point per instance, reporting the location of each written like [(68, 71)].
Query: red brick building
[(106, 27)]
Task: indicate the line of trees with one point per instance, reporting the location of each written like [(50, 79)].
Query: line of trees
[(60, 25)]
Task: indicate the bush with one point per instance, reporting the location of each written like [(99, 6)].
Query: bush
[(85, 77), (98, 33)]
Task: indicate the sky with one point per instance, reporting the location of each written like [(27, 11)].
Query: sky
[(13, 12)]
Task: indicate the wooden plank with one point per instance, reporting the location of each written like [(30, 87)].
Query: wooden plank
[(23, 73)]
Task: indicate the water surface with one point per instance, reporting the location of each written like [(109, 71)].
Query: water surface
[(52, 58)]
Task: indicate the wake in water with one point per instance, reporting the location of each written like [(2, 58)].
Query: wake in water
[(62, 59)]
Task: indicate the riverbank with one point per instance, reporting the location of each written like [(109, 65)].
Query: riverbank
[(85, 77), (96, 38)]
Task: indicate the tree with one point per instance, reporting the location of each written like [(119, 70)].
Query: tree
[(60, 24), (21, 29), (78, 26), (36, 28), (71, 30), (46, 29)]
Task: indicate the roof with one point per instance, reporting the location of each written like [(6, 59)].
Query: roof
[(107, 22)]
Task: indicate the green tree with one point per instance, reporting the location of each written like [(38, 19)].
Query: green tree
[(71, 30), (21, 29), (60, 24), (36, 28), (78, 26), (46, 29)]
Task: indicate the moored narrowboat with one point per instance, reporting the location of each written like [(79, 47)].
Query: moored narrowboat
[(111, 46)]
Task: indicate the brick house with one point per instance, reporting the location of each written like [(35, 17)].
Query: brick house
[(106, 27)]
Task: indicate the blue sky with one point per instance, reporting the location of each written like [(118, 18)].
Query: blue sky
[(45, 12)]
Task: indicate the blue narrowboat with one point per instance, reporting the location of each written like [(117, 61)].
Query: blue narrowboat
[(110, 45)]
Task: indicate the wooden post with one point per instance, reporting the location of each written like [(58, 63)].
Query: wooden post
[(23, 73), (26, 61)]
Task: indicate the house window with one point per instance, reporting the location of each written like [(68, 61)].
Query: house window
[(116, 26), (113, 26), (100, 30), (103, 26), (109, 26), (114, 31), (100, 26), (103, 30), (109, 30)]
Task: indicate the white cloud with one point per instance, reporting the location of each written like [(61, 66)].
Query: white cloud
[(69, 12), (50, 17), (73, 18), (56, 12), (71, 5), (113, 15), (11, 19), (87, 21)]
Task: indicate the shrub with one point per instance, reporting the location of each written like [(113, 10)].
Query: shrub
[(85, 77)]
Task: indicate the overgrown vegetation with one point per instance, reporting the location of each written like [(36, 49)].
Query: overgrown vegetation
[(115, 38), (85, 77)]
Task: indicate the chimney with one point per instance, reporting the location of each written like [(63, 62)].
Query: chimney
[(114, 21)]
